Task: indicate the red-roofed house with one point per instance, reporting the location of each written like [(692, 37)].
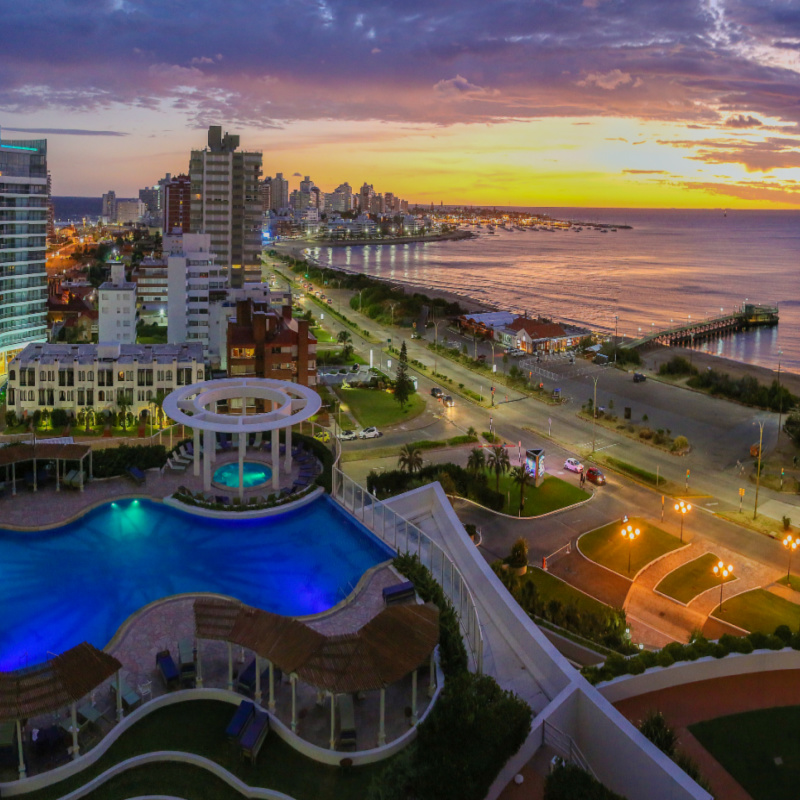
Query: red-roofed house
[(534, 336)]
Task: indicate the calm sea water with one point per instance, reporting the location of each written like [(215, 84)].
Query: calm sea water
[(671, 265)]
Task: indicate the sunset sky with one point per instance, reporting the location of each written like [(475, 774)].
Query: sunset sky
[(659, 103)]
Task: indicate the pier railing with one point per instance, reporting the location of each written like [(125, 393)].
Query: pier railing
[(404, 536)]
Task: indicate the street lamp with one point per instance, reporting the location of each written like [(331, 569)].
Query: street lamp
[(780, 395), (790, 543), (594, 412), (393, 307), (616, 341), (724, 573), (630, 533), (758, 470), (683, 509)]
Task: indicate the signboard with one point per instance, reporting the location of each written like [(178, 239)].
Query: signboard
[(534, 462)]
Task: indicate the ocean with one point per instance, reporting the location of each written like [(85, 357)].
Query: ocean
[(671, 266)]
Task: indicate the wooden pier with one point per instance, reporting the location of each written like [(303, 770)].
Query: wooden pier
[(748, 315)]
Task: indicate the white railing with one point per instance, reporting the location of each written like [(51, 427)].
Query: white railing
[(405, 537), (564, 746)]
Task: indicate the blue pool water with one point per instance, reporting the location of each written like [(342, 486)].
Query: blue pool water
[(253, 474), (81, 581)]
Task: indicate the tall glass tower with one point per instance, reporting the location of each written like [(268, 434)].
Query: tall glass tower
[(23, 247)]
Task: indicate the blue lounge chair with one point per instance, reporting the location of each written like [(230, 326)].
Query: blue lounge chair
[(240, 720), (168, 670), (136, 475), (398, 593), (247, 679), (254, 735)]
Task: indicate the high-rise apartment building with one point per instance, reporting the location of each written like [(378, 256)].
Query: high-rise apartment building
[(177, 194), (116, 305), (151, 198), (110, 206), (129, 210), (265, 191), (279, 194), (225, 204), (23, 245)]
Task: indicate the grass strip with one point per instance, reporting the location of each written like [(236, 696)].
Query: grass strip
[(691, 579), (759, 610)]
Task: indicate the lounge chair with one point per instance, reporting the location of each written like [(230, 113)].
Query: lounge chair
[(398, 593), (167, 669), (187, 663), (246, 683), (176, 466), (253, 735), (136, 475), (240, 720), (347, 723), (130, 697), (71, 479), (222, 499)]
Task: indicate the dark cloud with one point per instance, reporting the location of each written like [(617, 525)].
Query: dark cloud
[(422, 62), (66, 131), (741, 121), (764, 156)]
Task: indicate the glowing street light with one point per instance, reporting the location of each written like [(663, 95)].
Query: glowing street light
[(723, 573), (683, 509), (790, 543), (630, 533)]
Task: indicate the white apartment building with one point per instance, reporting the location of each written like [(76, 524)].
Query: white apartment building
[(77, 377), (152, 287), (195, 279), (129, 210), (117, 308)]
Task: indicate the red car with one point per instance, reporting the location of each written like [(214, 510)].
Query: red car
[(595, 476)]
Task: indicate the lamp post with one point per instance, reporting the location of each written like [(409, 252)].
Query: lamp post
[(392, 306), (790, 543), (724, 573), (630, 533), (780, 396), (594, 413), (616, 341), (436, 341), (758, 470), (683, 509)]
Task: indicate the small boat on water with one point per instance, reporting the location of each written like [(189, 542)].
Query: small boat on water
[(490, 228)]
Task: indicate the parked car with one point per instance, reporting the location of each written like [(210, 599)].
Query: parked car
[(573, 465), (436, 392), (595, 476), (447, 401), (369, 433), (482, 357), (347, 436), (638, 377), (322, 436)]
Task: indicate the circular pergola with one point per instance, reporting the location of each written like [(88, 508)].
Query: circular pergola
[(195, 406)]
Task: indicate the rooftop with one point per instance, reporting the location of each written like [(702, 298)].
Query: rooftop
[(47, 353)]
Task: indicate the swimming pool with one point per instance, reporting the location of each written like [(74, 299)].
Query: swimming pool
[(81, 581), (253, 474)]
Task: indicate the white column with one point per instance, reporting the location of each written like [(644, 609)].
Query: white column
[(199, 680), (242, 446), (293, 679), (432, 678), (119, 698), (58, 482), (22, 772), (75, 749), (276, 460), (208, 449), (196, 434), (333, 721), (288, 462), (382, 724), (257, 695), (271, 686), (414, 716), (230, 667)]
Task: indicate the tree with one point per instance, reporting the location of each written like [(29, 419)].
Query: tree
[(521, 478), (498, 463), (792, 426), (476, 462), (11, 419), (344, 338), (123, 404), (158, 402), (410, 459), (403, 387), (90, 415)]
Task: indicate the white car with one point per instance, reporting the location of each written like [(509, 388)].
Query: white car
[(573, 465), (347, 436), (369, 433)]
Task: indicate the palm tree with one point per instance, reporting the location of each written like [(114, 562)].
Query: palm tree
[(521, 478), (410, 459), (123, 404), (498, 463), (476, 462), (344, 338)]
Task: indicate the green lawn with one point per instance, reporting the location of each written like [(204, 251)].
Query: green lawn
[(199, 727), (322, 335), (551, 588), (759, 610), (373, 407), (606, 546), (550, 496), (689, 580), (746, 745)]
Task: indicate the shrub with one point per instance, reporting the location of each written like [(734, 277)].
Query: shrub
[(677, 365), (784, 633), (654, 726), (645, 433), (680, 443), (569, 782), (787, 523), (519, 554), (113, 461), (665, 659)]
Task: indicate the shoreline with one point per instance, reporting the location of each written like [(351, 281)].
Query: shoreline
[(453, 236), (736, 369)]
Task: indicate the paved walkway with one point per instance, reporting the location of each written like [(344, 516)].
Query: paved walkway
[(696, 702)]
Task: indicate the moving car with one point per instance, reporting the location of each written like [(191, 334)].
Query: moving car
[(595, 476), (347, 436), (573, 465), (436, 392), (638, 377), (369, 433), (448, 401), (322, 436)]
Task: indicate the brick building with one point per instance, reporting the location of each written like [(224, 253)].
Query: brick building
[(267, 342)]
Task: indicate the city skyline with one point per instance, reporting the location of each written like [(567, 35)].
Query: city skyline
[(584, 103)]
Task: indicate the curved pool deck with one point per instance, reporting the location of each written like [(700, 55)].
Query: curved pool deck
[(80, 581)]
